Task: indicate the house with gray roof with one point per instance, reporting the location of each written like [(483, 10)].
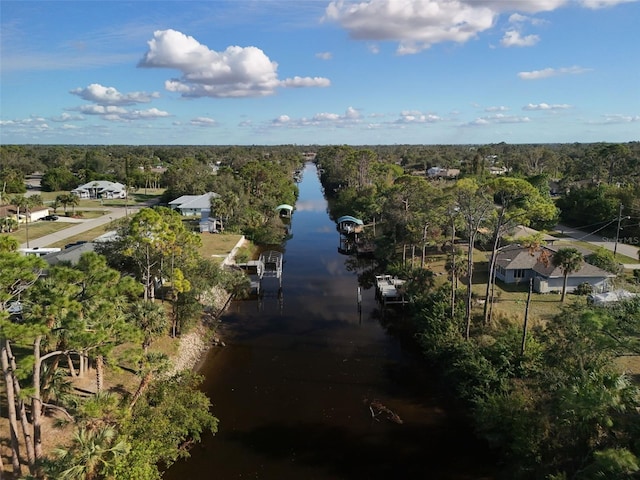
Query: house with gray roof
[(198, 206), (516, 264), (100, 189), (193, 205)]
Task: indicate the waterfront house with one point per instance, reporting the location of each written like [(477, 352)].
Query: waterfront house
[(516, 265)]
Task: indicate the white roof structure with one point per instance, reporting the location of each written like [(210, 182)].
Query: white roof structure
[(193, 202), (100, 187)]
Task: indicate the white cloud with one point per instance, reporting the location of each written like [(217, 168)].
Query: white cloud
[(324, 55), (512, 38), (116, 113), (552, 72), (620, 118), (418, 24), (325, 119), (67, 117), (414, 116), (203, 122), (596, 4), (101, 95), (499, 108), (415, 24), (235, 72), (101, 110), (546, 106), (145, 114), (282, 120), (498, 118), (517, 19), (299, 82)]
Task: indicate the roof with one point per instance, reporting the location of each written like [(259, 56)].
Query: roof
[(349, 218), (71, 254), (101, 185), (284, 206), (521, 231), (194, 201), (517, 257)]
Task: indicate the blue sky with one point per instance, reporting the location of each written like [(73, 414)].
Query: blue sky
[(270, 72)]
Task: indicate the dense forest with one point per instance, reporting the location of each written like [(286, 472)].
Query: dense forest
[(549, 399)]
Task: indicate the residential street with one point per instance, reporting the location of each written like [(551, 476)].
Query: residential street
[(77, 226), (608, 243)]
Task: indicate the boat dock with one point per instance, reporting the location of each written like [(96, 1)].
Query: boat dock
[(389, 290), (269, 265)]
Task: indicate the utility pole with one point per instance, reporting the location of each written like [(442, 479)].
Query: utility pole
[(615, 247)]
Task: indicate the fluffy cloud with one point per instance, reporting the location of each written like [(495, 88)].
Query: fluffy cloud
[(499, 108), (546, 107), (414, 116), (350, 117), (552, 72), (101, 95), (512, 38), (115, 113), (235, 72), (418, 24), (415, 24), (324, 55)]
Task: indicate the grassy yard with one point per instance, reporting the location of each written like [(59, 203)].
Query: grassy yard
[(37, 230), (219, 245)]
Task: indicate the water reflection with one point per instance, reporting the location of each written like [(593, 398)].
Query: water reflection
[(293, 387)]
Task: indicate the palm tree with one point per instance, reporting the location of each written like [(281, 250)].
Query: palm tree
[(64, 200), (91, 455), (74, 201), (26, 203), (569, 260), (152, 319)]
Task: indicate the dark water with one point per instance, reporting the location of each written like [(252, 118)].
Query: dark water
[(292, 385)]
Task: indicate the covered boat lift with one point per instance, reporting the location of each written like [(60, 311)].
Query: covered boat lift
[(348, 224), (284, 210)]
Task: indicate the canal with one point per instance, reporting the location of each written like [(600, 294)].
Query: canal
[(293, 386)]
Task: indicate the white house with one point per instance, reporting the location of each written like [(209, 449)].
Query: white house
[(101, 189), (516, 264), (194, 205)]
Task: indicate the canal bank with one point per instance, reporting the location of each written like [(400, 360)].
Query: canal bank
[(305, 385)]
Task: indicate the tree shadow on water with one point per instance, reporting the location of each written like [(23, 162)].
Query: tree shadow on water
[(385, 451)]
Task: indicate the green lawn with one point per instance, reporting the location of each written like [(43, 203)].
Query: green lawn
[(37, 230)]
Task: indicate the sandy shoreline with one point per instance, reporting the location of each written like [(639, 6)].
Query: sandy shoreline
[(195, 345)]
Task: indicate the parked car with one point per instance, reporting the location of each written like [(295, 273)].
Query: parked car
[(75, 244), (50, 218)]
